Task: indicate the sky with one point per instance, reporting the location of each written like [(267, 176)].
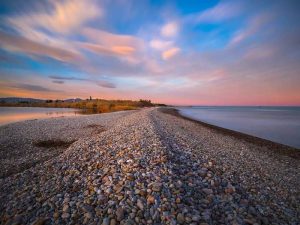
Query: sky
[(192, 52)]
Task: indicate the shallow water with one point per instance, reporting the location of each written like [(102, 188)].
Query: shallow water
[(278, 124), (14, 114)]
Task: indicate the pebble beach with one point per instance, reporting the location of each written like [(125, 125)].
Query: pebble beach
[(148, 166)]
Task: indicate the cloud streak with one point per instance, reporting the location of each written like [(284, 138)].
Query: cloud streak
[(170, 29), (58, 82), (221, 12), (32, 87), (101, 83), (68, 78), (65, 16), (21, 44), (170, 53), (254, 25), (114, 50), (160, 44)]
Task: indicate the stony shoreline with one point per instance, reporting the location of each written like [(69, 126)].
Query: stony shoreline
[(273, 146), (149, 167), (21, 143)]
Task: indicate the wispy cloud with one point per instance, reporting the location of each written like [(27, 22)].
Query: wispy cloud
[(115, 50), (68, 78), (170, 29), (101, 83), (170, 53), (254, 25), (32, 87), (65, 16), (111, 39), (44, 30), (160, 44), (58, 81), (222, 11), (127, 47), (21, 44), (105, 84)]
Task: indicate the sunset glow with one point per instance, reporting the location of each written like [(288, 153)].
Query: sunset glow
[(209, 52)]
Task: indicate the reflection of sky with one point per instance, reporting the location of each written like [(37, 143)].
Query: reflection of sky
[(14, 114), (227, 52), (279, 125)]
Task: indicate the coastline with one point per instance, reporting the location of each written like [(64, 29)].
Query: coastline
[(149, 167), (281, 148)]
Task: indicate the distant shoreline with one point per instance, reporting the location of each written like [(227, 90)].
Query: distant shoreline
[(90, 106)]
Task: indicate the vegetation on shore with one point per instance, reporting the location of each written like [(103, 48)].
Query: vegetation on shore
[(88, 105)]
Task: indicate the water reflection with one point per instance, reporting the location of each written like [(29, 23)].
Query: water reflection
[(278, 124), (14, 114)]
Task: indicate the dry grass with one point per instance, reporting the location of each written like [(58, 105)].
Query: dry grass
[(89, 106)]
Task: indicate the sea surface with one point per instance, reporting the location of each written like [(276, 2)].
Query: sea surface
[(15, 114), (278, 124)]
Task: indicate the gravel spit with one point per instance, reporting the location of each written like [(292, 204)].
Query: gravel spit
[(148, 167)]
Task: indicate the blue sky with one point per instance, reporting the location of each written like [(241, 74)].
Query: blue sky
[(229, 52)]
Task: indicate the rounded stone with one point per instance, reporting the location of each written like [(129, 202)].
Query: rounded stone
[(180, 218)]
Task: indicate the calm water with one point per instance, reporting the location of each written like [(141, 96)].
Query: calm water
[(14, 114), (278, 124)]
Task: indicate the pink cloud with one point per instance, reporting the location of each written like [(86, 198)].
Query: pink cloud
[(109, 39), (160, 44), (170, 29), (119, 51), (259, 53), (127, 47), (170, 53), (123, 50)]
